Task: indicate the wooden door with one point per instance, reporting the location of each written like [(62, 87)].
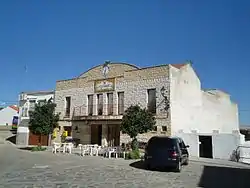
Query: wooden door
[(113, 135), (96, 134)]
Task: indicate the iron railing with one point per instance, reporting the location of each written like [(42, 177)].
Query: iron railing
[(101, 109), (152, 108)]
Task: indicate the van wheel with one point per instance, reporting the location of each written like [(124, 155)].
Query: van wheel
[(178, 167), (186, 162), (147, 167)]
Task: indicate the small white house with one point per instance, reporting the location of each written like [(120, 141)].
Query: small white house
[(27, 101), (7, 114)]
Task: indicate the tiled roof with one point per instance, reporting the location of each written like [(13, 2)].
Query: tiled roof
[(14, 108)]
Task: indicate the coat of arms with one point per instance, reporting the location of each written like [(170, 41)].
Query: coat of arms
[(105, 69)]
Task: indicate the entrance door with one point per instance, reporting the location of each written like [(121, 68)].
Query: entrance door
[(96, 134), (113, 135), (206, 147)]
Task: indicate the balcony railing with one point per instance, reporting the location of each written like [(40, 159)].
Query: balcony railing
[(110, 109), (152, 108), (104, 109), (67, 113), (120, 109)]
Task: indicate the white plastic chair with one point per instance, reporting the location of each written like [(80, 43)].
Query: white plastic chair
[(56, 147), (121, 151), (95, 150), (84, 150), (112, 150), (69, 147)]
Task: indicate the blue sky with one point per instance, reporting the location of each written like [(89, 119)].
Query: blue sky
[(60, 39)]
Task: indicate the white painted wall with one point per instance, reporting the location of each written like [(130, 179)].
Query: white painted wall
[(194, 109), (6, 116), (196, 112), (185, 100), (25, 104)]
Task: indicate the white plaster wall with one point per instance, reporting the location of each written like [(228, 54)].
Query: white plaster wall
[(194, 109), (25, 103), (223, 144), (218, 113), (195, 112), (41, 97), (185, 100), (6, 116)]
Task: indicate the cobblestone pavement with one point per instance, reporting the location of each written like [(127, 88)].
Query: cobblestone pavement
[(21, 168)]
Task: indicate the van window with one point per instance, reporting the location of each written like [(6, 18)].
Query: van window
[(157, 142)]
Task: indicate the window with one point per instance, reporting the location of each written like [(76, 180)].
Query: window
[(68, 103), (90, 105), (181, 144), (152, 100), (24, 112), (32, 104), (110, 103), (120, 103), (164, 128), (99, 104), (160, 142), (155, 129), (41, 102)]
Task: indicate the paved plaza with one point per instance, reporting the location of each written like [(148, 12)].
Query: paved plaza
[(20, 168)]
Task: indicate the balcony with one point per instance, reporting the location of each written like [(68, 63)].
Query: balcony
[(152, 108), (101, 111), (67, 113)]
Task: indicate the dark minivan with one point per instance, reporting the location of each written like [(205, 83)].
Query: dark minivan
[(163, 151)]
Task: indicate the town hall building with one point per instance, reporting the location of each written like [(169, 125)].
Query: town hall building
[(92, 105)]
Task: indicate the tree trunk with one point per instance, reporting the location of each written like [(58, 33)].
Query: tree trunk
[(134, 144), (40, 139)]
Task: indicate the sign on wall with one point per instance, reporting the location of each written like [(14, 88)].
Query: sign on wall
[(104, 85)]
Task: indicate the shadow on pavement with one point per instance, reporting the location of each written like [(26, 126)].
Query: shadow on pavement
[(13, 131), (26, 148), (11, 139), (140, 165), (218, 177)]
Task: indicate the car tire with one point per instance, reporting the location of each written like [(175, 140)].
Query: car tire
[(186, 162), (147, 166), (178, 167)]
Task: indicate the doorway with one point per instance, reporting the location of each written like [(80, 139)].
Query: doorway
[(96, 134), (206, 146), (113, 135)]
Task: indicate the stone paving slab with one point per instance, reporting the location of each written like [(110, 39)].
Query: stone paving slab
[(43, 169)]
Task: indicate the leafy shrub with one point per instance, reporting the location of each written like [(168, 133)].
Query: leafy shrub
[(137, 121), (134, 154), (38, 148), (141, 145)]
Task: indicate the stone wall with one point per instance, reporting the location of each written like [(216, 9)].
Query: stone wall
[(133, 82), (115, 70), (83, 133)]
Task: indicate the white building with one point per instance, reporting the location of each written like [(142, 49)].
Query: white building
[(27, 101), (92, 105), (7, 114)]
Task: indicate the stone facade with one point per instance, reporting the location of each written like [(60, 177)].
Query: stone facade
[(131, 80), (192, 111)]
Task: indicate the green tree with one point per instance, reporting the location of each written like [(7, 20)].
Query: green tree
[(137, 121), (43, 119)]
